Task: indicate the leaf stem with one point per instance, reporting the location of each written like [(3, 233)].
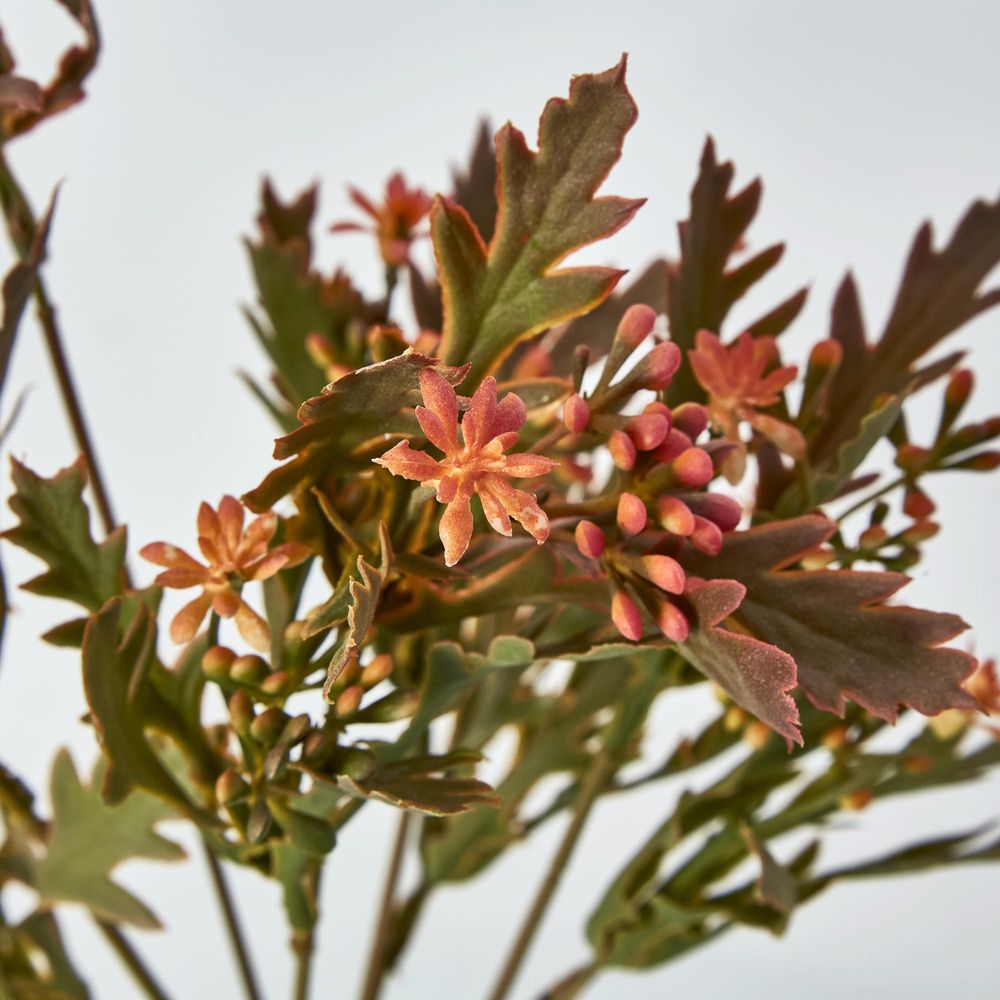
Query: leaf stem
[(233, 929), (861, 504), (383, 922), (130, 958), (570, 985), (600, 770), (303, 945)]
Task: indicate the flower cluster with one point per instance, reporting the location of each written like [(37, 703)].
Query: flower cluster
[(235, 556)]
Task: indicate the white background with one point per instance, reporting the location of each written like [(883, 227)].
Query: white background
[(863, 118)]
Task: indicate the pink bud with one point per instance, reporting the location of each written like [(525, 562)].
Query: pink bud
[(911, 457), (622, 450), (576, 413), (918, 504), (675, 516), (657, 407), (826, 354), (636, 325), (717, 507), (589, 539), (658, 367), (631, 514), (665, 572), (706, 537), (672, 622), (626, 617), (693, 467), (692, 418), (673, 444), (648, 430)]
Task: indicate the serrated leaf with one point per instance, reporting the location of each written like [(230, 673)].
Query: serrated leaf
[(496, 295), (55, 526), (365, 406), (116, 668), (89, 839), (845, 640), (705, 284), (938, 293), (755, 674)]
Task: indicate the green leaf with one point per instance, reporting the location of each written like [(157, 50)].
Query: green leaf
[(845, 640), (499, 294), (116, 669), (22, 976), (356, 411), (55, 526), (89, 839)]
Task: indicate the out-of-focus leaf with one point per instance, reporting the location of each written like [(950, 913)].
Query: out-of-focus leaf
[(89, 839), (55, 526), (296, 299), (704, 285), (475, 187), (22, 977), (362, 407), (846, 641), (496, 296), (116, 669), (938, 293), (776, 886), (755, 674)]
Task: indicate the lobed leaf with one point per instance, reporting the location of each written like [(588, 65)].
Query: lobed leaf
[(496, 295)]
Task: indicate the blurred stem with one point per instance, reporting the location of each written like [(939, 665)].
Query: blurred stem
[(303, 945), (233, 929), (571, 984), (21, 225), (130, 958), (391, 280), (872, 497), (383, 922), (601, 768)]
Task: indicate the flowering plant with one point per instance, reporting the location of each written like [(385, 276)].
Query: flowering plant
[(685, 515)]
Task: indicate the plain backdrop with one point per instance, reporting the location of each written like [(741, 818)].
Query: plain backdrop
[(863, 118)]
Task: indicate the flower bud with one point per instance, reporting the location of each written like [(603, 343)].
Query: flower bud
[(625, 615), (665, 572), (692, 468), (835, 738), (230, 788), (706, 536), (648, 430), (349, 701), (757, 734), (622, 450), (985, 461), (955, 397), (917, 504), (399, 704), (241, 712), (671, 622), (589, 539), (377, 671), (576, 413), (734, 719), (675, 516), (912, 458), (691, 418), (657, 368), (921, 531), (873, 537), (673, 444), (857, 800), (276, 683), (358, 764), (636, 325), (723, 510), (631, 514), (217, 661), (268, 726), (250, 669)]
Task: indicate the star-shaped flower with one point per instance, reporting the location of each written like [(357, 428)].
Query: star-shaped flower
[(395, 220), (474, 464), (737, 386), (235, 556)]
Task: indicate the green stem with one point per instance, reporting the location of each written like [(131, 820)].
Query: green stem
[(861, 504), (233, 929), (130, 958), (303, 945), (600, 770), (383, 922), (570, 985)]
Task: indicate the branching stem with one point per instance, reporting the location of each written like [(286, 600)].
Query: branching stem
[(130, 958)]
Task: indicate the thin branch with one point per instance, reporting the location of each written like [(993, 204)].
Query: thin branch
[(600, 770), (130, 958), (383, 922), (233, 929), (570, 985), (303, 945)]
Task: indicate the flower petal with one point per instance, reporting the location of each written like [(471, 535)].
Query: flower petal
[(165, 554), (403, 461), (208, 522), (494, 510), (184, 627), (479, 417), (210, 550), (521, 505), (226, 603), (510, 415), (435, 431), (255, 540), (253, 628), (456, 529), (181, 577), (440, 398), (525, 465), (231, 519)]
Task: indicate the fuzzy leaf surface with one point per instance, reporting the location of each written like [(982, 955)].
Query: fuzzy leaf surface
[(846, 641), (499, 294)]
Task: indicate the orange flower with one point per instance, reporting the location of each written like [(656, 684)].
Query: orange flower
[(395, 220), (737, 386), (234, 556), (476, 465)]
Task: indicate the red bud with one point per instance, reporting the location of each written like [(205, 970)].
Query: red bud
[(636, 325), (631, 514), (625, 615), (576, 413), (622, 450), (589, 539), (706, 536), (691, 418), (693, 467), (648, 430), (666, 573), (675, 515)]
